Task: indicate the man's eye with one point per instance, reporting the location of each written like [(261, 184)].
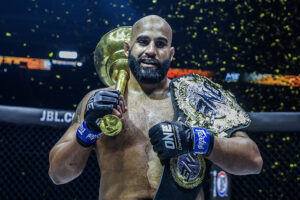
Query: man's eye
[(160, 44), (143, 42)]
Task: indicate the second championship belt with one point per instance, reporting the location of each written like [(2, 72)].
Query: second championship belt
[(198, 102)]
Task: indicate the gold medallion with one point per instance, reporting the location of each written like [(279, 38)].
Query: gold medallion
[(111, 125), (188, 170)]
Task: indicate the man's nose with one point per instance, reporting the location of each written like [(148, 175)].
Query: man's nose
[(151, 50)]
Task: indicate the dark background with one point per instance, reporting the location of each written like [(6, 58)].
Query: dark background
[(222, 36)]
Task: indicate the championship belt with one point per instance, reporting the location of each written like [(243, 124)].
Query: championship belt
[(198, 102)]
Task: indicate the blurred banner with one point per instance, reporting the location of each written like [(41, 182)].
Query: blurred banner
[(37, 63), (270, 79), (176, 72), (256, 78), (27, 63)]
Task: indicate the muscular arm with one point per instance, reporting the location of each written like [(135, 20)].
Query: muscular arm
[(67, 158), (237, 155)]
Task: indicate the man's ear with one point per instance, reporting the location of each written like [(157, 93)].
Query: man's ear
[(126, 48), (172, 52)]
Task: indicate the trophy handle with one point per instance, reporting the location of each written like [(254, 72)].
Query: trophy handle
[(111, 125)]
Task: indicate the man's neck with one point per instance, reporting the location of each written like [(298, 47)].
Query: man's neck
[(156, 91)]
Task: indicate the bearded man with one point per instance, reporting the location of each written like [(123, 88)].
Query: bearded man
[(131, 162)]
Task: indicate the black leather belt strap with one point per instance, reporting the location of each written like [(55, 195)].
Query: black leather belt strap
[(169, 190)]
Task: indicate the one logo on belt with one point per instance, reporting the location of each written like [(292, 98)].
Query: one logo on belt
[(189, 166), (188, 170)]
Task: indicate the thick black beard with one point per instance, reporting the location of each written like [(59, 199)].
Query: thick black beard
[(148, 75)]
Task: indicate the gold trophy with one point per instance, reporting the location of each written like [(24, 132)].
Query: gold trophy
[(112, 67)]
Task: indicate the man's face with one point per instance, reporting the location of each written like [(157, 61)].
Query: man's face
[(150, 54), (147, 69)]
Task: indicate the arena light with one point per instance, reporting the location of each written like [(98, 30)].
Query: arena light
[(68, 54), (79, 64)]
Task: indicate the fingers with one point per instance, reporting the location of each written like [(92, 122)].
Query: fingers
[(106, 100), (157, 128), (121, 108), (107, 93), (153, 130), (108, 97), (163, 144), (154, 138), (116, 112), (105, 109), (112, 98), (113, 91), (158, 147), (110, 92), (123, 104)]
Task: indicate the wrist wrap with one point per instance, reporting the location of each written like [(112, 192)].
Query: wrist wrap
[(85, 137), (203, 141)]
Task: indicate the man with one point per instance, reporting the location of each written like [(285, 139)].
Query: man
[(130, 168)]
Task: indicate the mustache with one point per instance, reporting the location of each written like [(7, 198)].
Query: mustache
[(148, 75), (156, 62)]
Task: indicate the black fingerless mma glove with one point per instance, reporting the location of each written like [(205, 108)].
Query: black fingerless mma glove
[(171, 139), (101, 103)]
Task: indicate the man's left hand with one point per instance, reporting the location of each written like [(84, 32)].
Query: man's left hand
[(172, 139)]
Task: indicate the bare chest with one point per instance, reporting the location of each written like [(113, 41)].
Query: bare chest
[(142, 114), (131, 152), (146, 113)]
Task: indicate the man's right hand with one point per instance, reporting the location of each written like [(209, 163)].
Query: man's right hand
[(101, 103)]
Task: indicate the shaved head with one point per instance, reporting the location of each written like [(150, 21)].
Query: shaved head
[(149, 51), (152, 23)]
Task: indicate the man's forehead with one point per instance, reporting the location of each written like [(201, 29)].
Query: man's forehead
[(152, 27), (152, 34)]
